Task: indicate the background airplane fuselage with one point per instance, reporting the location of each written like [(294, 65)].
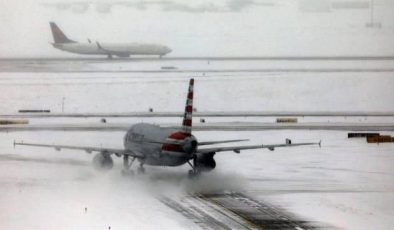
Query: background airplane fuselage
[(125, 49), (147, 139)]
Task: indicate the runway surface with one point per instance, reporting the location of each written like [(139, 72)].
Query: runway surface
[(202, 65), (213, 71), (188, 58), (209, 114), (220, 126)]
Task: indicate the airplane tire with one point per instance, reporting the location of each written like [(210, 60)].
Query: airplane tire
[(127, 172), (141, 170), (192, 174)]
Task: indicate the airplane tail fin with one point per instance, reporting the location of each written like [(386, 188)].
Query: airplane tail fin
[(58, 35), (188, 115)]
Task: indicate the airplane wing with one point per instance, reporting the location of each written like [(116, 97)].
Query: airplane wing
[(220, 142), (118, 152), (237, 149), (110, 52)]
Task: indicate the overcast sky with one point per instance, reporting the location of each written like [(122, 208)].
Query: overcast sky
[(202, 28)]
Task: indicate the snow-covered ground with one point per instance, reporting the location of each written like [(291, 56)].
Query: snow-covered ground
[(125, 92), (346, 183)]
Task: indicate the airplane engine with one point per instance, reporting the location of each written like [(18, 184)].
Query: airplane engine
[(205, 162), (190, 145), (103, 161)]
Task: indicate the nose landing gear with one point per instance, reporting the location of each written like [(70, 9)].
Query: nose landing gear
[(127, 166)]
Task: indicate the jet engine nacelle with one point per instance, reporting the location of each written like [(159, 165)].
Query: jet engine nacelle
[(190, 145), (103, 161), (205, 162)]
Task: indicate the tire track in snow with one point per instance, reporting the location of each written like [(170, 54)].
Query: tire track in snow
[(233, 211)]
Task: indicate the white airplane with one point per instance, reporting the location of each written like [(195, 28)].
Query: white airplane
[(158, 146), (61, 42)]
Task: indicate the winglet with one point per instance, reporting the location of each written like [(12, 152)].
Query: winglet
[(288, 141), (188, 115), (320, 143), (17, 143), (99, 46)]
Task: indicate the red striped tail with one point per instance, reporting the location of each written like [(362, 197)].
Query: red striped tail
[(187, 116)]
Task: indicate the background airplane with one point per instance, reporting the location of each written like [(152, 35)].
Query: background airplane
[(62, 42), (158, 146)]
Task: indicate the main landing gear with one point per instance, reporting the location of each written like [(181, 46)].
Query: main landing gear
[(194, 172), (141, 169), (127, 166)]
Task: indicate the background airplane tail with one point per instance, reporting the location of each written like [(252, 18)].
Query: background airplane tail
[(188, 115), (58, 35)]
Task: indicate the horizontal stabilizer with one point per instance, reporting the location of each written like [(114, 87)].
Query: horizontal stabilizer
[(200, 143)]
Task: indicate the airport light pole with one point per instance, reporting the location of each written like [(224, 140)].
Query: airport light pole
[(372, 23), (372, 5), (63, 104)]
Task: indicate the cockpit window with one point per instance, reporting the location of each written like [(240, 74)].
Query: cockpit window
[(136, 137)]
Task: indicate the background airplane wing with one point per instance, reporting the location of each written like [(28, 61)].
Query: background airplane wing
[(237, 149), (110, 52), (88, 149)]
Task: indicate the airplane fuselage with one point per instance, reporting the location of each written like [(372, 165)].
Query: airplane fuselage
[(152, 141), (122, 50)]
